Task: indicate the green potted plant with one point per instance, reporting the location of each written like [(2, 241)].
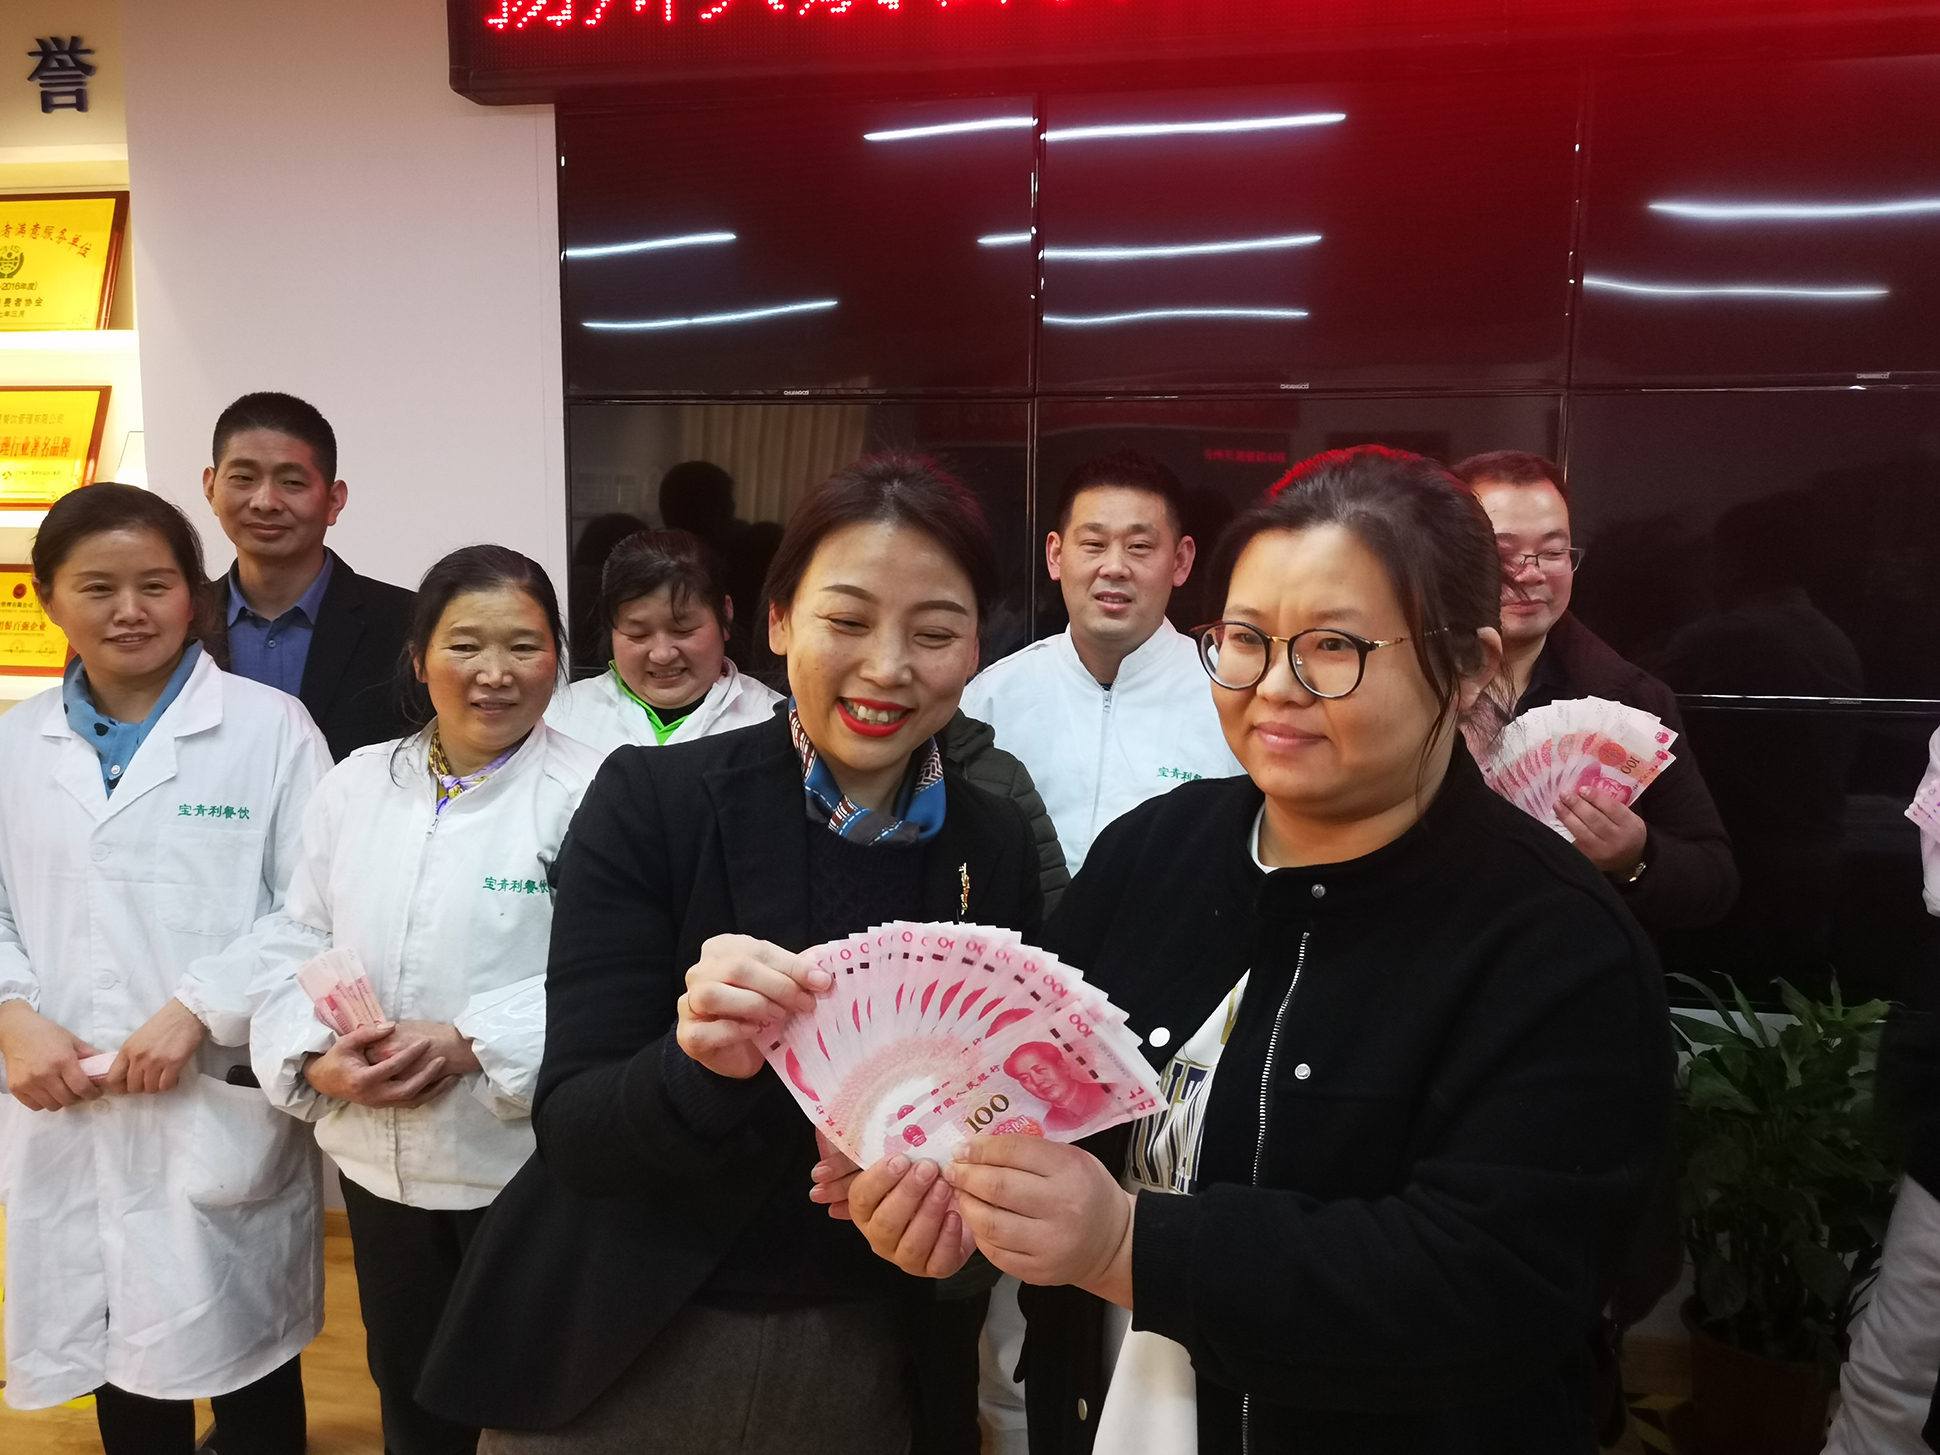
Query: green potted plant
[(1785, 1188)]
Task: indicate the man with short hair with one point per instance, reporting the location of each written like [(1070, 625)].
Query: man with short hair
[(1669, 857), (1115, 709), (293, 615), (1112, 711)]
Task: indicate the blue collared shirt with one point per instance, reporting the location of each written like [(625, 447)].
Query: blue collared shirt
[(273, 652), (116, 741)]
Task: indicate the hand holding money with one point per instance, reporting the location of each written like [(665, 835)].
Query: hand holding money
[(930, 1033), (45, 1061), (739, 988), (1047, 1214), (907, 1211)]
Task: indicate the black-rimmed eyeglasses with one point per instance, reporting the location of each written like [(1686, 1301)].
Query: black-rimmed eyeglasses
[(1550, 563), (1327, 662)]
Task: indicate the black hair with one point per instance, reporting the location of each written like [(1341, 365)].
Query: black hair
[(653, 560), (1126, 470), (1427, 530), (465, 570), (897, 488), (286, 414), (697, 496), (1512, 467), (98, 509)]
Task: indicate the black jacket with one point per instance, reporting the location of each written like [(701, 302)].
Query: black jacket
[(1460, 1048), (623, 1214), (970, 746), (350, 677), (1692, 879)]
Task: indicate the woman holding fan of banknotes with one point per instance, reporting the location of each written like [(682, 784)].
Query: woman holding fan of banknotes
[(658, 1279), (424, 869), (164, 1223), (1412, 1050)]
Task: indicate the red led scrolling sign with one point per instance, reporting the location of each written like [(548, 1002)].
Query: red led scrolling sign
[(505, 50), (558, 45)]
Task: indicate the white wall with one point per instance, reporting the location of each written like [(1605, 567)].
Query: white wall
[(317, 212)]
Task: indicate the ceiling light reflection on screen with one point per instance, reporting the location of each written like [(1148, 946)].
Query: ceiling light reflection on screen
[(952, 128), (699, 320), (1181, 250), (1796, 211), (652, 245), (1853, 294), (1150, 315), (1004, 239), (1195, 128)]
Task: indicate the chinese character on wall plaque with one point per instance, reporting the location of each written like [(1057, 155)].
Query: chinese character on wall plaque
[(61, 70), (58, 256), (50, 437), (30, 644)]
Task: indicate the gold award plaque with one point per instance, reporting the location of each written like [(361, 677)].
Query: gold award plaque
[(58, 253), (49, 440), (30, 644)]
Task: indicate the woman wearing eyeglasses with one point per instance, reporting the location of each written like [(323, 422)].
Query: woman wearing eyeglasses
[(1411, 1045)]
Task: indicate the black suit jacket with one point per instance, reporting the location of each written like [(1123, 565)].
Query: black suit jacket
[(1692, 878), (610, 1230), (350, 677)]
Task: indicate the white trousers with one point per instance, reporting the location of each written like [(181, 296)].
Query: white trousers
[(1886, 1386), (1001, 1401)]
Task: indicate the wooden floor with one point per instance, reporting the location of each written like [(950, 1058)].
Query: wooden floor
[(336, 1383), (343, 1401)]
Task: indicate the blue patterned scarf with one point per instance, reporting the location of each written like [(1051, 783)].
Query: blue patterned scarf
[(916, 816)]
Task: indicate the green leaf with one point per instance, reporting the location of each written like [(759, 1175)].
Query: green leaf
[(1718, 1159), (1823, 1271), (1710, 1089), (1701, 1032), (1721, 1287), (1707, 992), (1757, 1026)]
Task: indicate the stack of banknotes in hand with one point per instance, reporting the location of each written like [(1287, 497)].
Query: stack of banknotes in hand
[(341, 992), (1583, 742), (933, 1033)]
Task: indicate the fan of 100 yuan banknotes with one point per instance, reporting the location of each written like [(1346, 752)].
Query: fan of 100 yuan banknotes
[(933, 1033), (1582, 742)]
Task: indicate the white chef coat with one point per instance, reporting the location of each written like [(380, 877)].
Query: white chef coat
[(171, 1244), (450, 915), (1096, 753), (598, 712), (1929, 793)]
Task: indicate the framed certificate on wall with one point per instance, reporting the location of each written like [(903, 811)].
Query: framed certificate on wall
[(50, 437), (58, 255), (30, 644)]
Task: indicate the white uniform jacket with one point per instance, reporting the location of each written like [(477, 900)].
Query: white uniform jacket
[(597, 711), (169, 1244), (451, 915), (1096, 753)]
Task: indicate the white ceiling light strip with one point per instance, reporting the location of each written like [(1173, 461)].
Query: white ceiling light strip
[(701, 320), (1854, 294), (1150, 315), (1797, 211), (1195, 128), (652, 245)]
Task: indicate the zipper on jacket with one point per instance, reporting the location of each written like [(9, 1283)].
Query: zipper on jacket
[(1098, 783), (1259, 1143)]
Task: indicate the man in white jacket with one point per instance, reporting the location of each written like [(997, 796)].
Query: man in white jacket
[(1115, 709), (1112, 711)]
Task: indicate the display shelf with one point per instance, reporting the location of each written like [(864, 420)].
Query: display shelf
[(70, 341)]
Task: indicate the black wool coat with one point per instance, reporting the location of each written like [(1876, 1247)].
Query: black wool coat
[(1428, 1140), (624, 1212)]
